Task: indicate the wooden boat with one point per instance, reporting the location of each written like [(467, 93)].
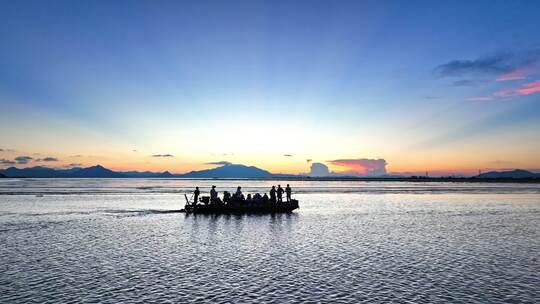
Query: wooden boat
[(241, 207)]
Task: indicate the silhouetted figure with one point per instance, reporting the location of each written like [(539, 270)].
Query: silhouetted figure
[(238, 194), (265, 199), (280, 193), (249, 200), (273, 194), (288, 192), (213, 195), (226, 197), (257, 198), (196, 194)]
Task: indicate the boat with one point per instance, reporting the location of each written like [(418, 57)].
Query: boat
[(240, 207)]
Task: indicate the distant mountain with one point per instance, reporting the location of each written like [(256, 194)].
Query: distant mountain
[(518, 173), (147, 174), (229, 171), (95, 171), (37, 171), (226, 171), (40, 171)]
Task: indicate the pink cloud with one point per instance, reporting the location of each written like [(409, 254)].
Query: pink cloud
[(363, 166), (518, 74), (524, 89), (529, 88), (480, 98)]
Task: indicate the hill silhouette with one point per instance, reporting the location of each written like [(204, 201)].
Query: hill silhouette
[(230, 171), (77, 172), (517, 173), (98, 171)]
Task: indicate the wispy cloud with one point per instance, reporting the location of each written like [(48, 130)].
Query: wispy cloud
[(504, 66), (6, 162), (481, 98), (287, 155), (47, 159), (524, 89), (308, 160), (219, 163), (23, 159), (520, 73), (464, 83), (162, 155), (493, 65)]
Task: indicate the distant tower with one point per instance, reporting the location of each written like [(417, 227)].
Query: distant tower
[(427, 174)]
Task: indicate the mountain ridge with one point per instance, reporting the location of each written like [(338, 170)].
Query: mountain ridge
[(98, 171), (225, 171)]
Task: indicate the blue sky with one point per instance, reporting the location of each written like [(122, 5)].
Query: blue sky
[(417, 83)]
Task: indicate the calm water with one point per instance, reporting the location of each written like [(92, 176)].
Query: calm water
[(114, 241)]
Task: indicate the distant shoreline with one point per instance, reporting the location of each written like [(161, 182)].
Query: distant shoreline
[(305, 178)]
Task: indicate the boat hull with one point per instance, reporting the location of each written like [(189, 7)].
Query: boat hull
[(283, 207)]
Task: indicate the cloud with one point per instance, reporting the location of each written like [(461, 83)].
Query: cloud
[(308, 160), (318, 169), (496, 64), (464, 83), (505, 66), (76, 156), (6, 162), (524, 89), (520, 73), (480, 98), (363, 166), (23, 159), (162, 155), (47, 159), (74, 165), (287, 155), (219, 163), (529, 88)]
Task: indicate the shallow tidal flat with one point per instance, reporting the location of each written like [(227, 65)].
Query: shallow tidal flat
[(118, 241)]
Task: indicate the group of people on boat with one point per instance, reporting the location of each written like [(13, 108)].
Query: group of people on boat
[(238, 198)]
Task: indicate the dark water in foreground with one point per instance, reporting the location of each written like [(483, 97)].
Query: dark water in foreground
[(343, 246)]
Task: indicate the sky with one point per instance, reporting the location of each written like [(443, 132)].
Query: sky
[(448, 87)]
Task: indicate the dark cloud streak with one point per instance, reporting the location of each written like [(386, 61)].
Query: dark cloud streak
[(23, 159), (219, 163), (494, 65), (162, 155), (6, 162), (47, 159)]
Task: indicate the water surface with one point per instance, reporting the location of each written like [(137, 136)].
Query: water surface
[(111, 241)]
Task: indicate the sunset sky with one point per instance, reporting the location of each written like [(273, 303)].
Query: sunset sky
[(440, 86)]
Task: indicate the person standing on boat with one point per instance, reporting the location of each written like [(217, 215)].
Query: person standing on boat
[(213, 195), (280, 193), (196, 195), (238, 194), (273, 194), (288, 192)]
